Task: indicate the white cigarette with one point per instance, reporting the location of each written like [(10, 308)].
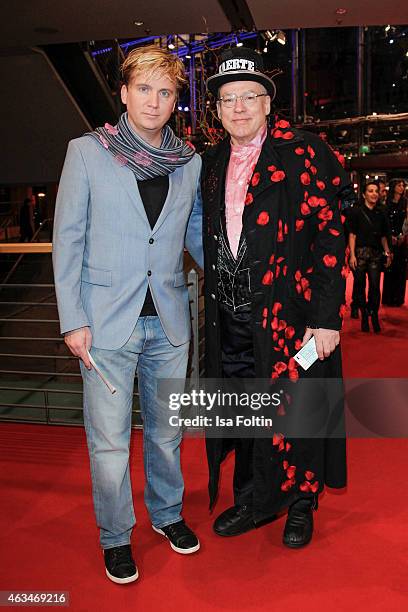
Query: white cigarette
[(111, 388)]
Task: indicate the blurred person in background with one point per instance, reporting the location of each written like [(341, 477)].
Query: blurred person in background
[(368, 242), (395, 279), (26, 221), (383, 192)]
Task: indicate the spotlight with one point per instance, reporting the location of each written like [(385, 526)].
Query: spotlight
[(188, 56), (387, 28), (186, 108), (391, 41), (265, 49), (240, 44), (138, 23), (171, 46), (180, 108), (281, 36), (271, 36)]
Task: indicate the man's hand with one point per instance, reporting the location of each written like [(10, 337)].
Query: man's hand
[(79, 341), (353, 262), (388, 261), (326, 340)]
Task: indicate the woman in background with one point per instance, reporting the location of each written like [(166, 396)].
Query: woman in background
[(369, 229), (395, 278)]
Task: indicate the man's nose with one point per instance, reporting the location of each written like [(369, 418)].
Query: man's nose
[(154, 99), (239, 106)]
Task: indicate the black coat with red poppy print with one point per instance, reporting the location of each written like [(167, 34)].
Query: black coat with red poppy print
[(296, 252)]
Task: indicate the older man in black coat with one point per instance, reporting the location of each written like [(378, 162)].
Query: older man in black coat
[(274, 277)]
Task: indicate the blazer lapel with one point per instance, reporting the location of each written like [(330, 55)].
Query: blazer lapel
[(128, 182), (214, 182), (175, 182)]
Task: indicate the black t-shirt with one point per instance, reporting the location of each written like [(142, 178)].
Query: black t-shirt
[(369, 225), (153, 193)]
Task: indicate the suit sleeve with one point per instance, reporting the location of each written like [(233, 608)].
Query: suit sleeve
[(328, 249), (69, 239), (194, 234)]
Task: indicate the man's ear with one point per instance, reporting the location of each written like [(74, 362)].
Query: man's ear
[(267, 105), (219, 110), (123, 94)]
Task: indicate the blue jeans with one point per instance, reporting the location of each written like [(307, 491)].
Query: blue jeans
[(108, 425)]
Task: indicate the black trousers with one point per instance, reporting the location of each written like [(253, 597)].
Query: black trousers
[(238, 362), (369, 263)]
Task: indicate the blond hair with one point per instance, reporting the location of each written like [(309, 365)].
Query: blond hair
[(155, 62)]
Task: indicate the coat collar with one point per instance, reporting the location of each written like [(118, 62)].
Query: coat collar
[(279, 140)]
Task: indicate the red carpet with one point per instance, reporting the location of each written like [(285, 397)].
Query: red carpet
[(358, 558)]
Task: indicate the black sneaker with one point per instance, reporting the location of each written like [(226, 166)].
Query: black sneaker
[(119, 564), (181, 538)]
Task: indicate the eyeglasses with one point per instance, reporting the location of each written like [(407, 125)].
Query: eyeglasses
[(249, 99)]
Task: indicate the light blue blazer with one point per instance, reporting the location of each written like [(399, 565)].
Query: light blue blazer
[(105, 253)]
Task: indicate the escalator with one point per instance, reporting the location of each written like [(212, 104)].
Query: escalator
[(94, 85)]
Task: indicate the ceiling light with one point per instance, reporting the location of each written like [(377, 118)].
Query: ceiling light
[(281, 37), (138, 23), (270, 35), (340, 11), (41, 194), (188, 56)]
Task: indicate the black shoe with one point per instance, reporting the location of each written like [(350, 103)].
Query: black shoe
[(354, 312), (299, 524), (364, 320), (234, 521), (375, 322), (119, 564), (181, 538)]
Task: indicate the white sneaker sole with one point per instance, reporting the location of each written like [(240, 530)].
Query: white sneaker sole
[(122, 580), (181, 551)]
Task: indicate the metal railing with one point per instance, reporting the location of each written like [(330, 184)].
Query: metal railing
[(32, 390), (30, 247)]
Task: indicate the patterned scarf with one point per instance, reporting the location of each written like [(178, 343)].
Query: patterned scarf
[(145, 161)]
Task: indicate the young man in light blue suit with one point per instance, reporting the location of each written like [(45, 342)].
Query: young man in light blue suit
[(128, 203)]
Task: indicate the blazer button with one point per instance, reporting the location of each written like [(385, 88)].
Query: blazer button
[(213, 266), (213, 296), (149, 273), (214, 323), (151, 240)]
